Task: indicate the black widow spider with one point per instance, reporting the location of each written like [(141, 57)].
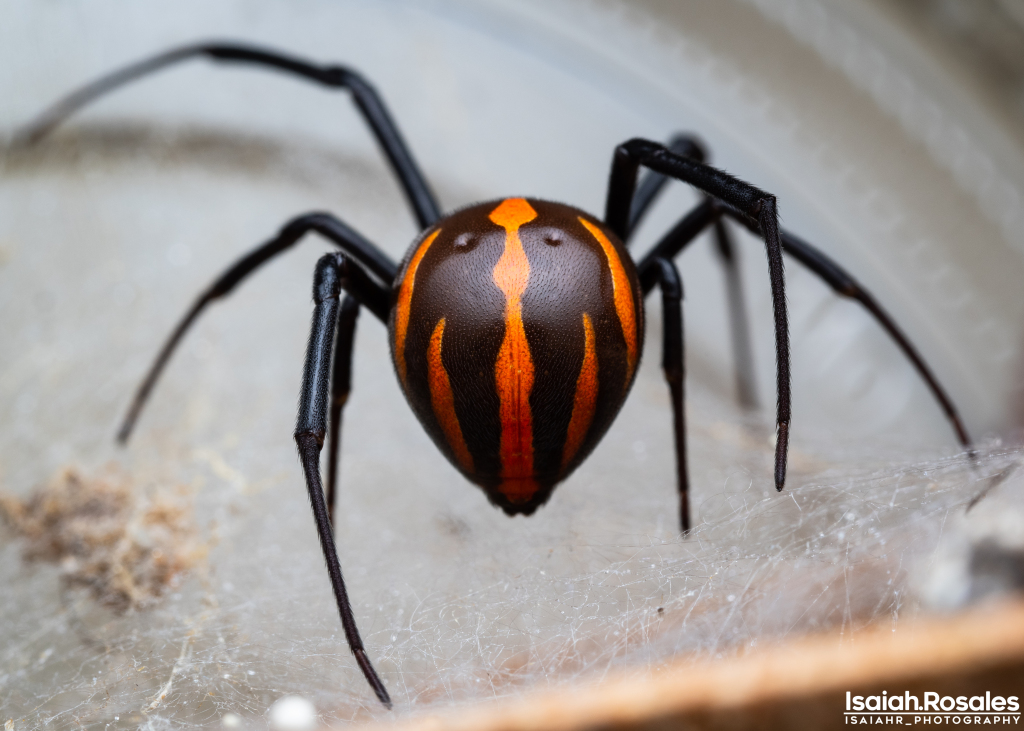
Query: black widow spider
[(516, 325)]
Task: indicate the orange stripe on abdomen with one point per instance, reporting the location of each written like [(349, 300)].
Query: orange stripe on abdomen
[(623, 294), (513, 372), (443, 401), (585, 400), (404, 304)]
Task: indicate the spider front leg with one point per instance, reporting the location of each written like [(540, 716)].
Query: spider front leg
[(333, 272), (366, 274), (648, 189), (653, 183), (740, 195)]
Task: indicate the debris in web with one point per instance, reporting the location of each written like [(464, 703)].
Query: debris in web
[(127, 549)]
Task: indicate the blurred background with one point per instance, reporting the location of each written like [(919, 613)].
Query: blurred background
[(891, 132)]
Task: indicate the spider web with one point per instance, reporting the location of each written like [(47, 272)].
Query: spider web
[(491, 618)]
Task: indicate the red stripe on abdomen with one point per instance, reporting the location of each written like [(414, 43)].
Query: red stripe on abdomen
[(513, 371), (443, 400), (585, 400)]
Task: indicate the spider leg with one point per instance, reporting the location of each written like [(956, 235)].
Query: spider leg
[(332, 273), (846, 286), (653, 183), (675, 372), (367, 100), (370, 283), (341, 385), (678, 238), (657, 269), (649, 187), (749, 200)]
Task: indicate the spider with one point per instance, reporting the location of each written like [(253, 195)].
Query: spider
[(515, 325)]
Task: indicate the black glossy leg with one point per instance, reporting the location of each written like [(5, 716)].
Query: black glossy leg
[(746, 198), (739, 326), (652, 183), (341, 385), (678, 238), (672, 363), (845, 285), (367, 100), (311, 426), (370, 284), (650, 186)]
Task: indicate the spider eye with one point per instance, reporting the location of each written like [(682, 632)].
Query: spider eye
[(465, 241)]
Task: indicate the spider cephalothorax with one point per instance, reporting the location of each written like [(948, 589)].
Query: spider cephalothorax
[(516, 325)]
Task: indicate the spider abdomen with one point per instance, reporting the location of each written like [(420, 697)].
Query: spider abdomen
[(515, 330)]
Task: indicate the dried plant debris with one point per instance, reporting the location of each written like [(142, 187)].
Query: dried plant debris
[(126, 547)]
